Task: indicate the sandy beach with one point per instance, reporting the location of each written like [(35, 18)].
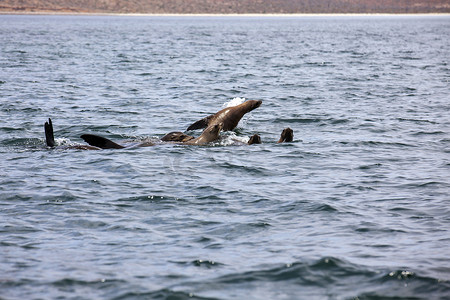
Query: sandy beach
[(68, 13)]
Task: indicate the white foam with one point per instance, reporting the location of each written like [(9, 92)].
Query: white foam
[(234, 102), (230, 138), (63, 142)]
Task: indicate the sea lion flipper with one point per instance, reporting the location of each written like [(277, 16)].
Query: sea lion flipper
[(49, 137), (203, 123), (101, 142)]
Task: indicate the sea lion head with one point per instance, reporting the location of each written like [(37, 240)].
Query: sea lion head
[(252, 104), (255, 139), (287, 135), (217, 128)]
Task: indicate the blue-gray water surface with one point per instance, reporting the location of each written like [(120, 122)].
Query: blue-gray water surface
[(356, 207)]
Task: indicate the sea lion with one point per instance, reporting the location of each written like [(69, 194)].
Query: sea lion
[(287, 135), (254, 139), (210, 134), (96, 142), (229, 116)]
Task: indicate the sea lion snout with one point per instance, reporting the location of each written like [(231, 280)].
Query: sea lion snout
[(255, 103)]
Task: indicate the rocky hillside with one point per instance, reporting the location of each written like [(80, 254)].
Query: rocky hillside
[(226, 6)]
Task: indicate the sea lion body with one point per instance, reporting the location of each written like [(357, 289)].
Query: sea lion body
[(229, 116), (176, 136), (210, 134)]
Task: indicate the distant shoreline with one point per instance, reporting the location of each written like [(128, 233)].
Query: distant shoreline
[(218, 15)]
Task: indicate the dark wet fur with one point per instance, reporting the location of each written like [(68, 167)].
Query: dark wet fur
[(203, 123), (100, 142), (287, 135), (254, 139), (176, 136), (49, 137)]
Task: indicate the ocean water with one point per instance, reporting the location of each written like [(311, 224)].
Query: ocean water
[(356, 207)]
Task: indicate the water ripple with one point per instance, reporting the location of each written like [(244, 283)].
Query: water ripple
[(355, 207)]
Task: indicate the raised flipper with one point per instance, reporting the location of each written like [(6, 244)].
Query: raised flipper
[(100, 142), (203, 123), (287, 135), (49, 137), (176, 137)]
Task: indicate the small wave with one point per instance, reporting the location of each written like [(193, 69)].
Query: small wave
[(311, 120), (419, 133), (431, 183), (371, 166), (261, 224), (206, 263), (11, 129), (331, 276), (319, 272), (418, 121), (18, 229), (57, 199), (326, 208), (68, 285), (381, 143), (161, 294), (420, 185), (125, 202), (246, 169), (298, 120), (307, 206), (379, 230), (34, 143), (319, 64), (86, 223), (23, 143), (409, 58)]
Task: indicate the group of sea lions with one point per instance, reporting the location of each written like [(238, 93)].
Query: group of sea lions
[(224, 120)]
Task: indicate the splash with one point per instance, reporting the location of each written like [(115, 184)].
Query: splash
[(64, 142), (230, 138), (234, 102)]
